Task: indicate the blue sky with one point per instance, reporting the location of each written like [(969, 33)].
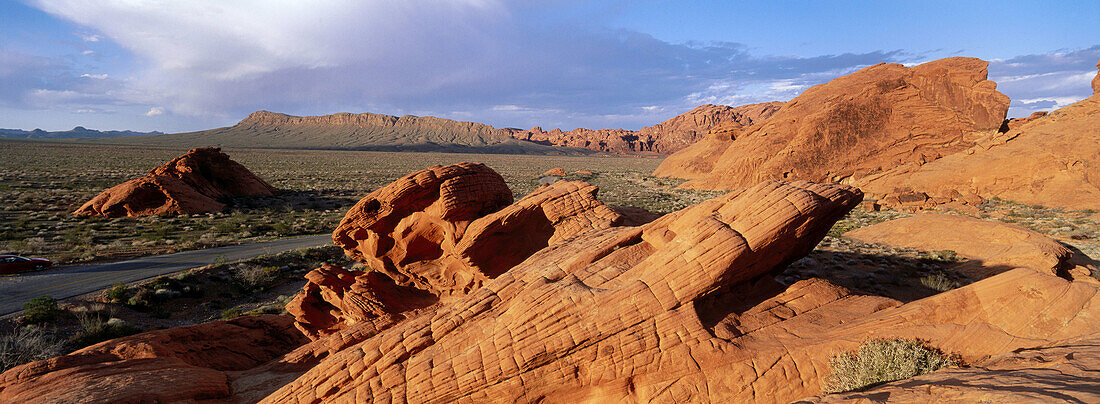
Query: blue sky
[(191, 65)]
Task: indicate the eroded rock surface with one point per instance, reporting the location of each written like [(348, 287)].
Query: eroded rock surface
[(863, 123), (189, 184), (993, 247), (1052, 160), (608, 315), (183, 364), (438, 234)]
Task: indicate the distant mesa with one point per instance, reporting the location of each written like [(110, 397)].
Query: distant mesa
[(368, 131), (78, 132), (346, 131), (853, 126), (189, 184)]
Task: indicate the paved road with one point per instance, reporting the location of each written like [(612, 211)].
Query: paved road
[(75, 280)]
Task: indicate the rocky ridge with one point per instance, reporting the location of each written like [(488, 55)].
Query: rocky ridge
[(853, 126)]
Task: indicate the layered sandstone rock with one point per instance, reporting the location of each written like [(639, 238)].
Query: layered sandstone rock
[(183, 364), (863, 123), (664, 138), (1053, 160), (189, 184), (436, 234), (604, 315), (1096, 81), (992, 247)]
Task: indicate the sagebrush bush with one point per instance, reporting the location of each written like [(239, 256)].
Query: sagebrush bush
[(256, 277), (40, 310), (117, 293), (939, 282), (881, 361), (27, 344)]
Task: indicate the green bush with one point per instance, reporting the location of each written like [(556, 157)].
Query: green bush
[(40, 310), (27, 344), (881, 361), (142, 299), (117, 293)]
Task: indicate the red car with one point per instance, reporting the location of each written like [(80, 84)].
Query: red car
[(10, 264)]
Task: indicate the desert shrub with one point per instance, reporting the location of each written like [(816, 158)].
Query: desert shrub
[(232, 313), (27, 344), (256, 277), (117, 293), (142, 299), (40, 310), (939, 282), (94, 329), (881, 361)]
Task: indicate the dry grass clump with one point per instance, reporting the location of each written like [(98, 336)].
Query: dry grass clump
[(881, 361), (28, 344)]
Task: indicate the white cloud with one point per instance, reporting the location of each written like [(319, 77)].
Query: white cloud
[(95, 76), (88, 52), (154, 111), (90, 38)]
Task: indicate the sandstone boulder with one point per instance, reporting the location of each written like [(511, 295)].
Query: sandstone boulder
[(992, 247), (183, 364), (608, 315), (189, 184), (437, 234), (863, 123), (1096, 81)]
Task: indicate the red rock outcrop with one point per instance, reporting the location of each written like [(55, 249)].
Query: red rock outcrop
[(189, 184), (183, 364), (993, 247), (1053, 161), (664, 138), (436, 234), (863, 123), (1096, 81)]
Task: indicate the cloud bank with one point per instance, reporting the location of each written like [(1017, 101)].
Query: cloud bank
[(491, 61)]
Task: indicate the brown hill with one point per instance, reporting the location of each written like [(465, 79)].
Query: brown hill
[(664, 138), (862, 123), (189, 184), (1050, 160), (347, 131)]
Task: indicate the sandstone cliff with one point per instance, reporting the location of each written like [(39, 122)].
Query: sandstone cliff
[(1050, 160), (853, 126)]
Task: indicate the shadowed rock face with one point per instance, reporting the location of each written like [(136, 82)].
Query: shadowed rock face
[(855, 125), (993, 247), (189, 184), (437, 234)]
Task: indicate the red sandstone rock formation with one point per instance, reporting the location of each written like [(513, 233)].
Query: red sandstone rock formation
[(1053, 160), (1096, 81), (682, 309), (183, 364), (856, 125), (664, 138), (436, 234), (189, 184), (993, 247)]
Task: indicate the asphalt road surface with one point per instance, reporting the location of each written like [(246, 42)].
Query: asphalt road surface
[(74, 280)]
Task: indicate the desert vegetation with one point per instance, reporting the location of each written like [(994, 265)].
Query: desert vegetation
[(881, 361)]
